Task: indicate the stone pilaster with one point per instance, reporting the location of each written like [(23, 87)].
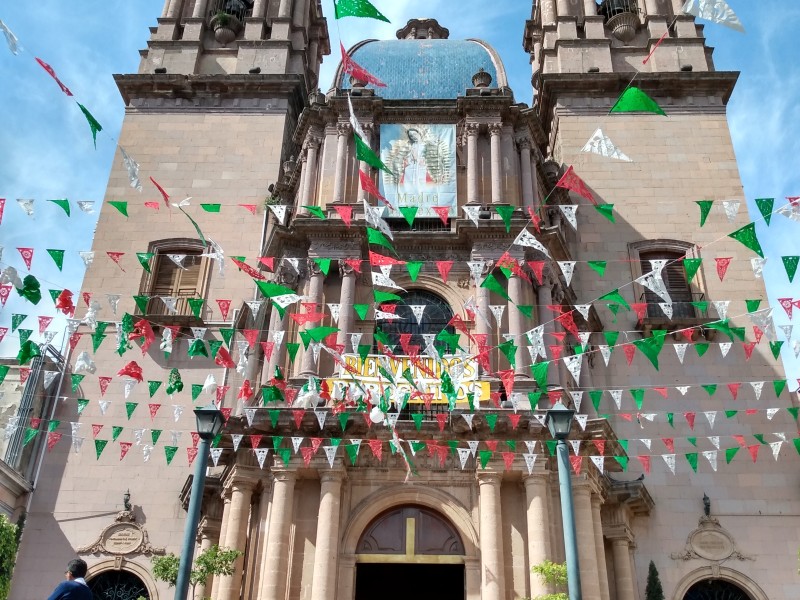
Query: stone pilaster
[(344, 130), (346, 301), (495, 130), (587, 554), (241, 487), (472, 163), (274, 581), (326, 555), (526, 172), (493, 567), (600, 547), (538, 521)]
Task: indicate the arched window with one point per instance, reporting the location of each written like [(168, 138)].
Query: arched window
[(715, 589), (436, 314), (675, 281), (118, 585)]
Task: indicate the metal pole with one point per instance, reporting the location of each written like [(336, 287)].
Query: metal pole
[(192, 520), (568, 518)]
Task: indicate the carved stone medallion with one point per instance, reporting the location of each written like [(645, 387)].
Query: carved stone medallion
[(124, 536)]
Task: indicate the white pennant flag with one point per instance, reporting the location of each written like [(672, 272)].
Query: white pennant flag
[(335, 309), (279, 211), (605, 351), (237, 439), (104, 406), (215, 454), (387, 316), (758, 266), (497, 311), (724, 348), (315, 350), (199, 332), (77, 442), (476, 268), (261, 455), (721, 306), (598, 462), (472, 213), (473, 447), (711, 457), (391, 418), (714, 439), (530, 461), (210, 385), (569, 211), (355, 340), (666, 308), (381, 280), (321, 416), (372, 214), (49, 377), (286, 300), (468, 419), (294, 263), (670, 460), (647, 442), (418, 310), (711, 417), (771, 412), (133, 170), (582, 419), (128, 386), (536, 339), (617, 396), (26, 205), (527, 239), (84, 363), (577, 399), (277, 337), (716, 11), (166, 340), (776, 449), (175, 437), (531, 446), (86, 206), (87, 258), (250, 414), (463, 456), (11, 39), (177, 259), (147, 451), (330, 453), (731, 208), (655, 283), (576, 446), (787, 332), (567, 268), (296, 443), (177, 411), (138, 434), (171, 303), (584, 310), (354, 122), (796, 348), (602, 145), (254, 306), (683, 389), (540, 418), (758, 387), (573, 364)]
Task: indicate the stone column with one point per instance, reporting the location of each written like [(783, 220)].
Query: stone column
[(230, 586), (537, 193), (589, 8), (677, 7), (590, 582), (472, 163), (316, 283), (623, 574), (299, 14), (285, 9), (343, 130), (651, 8), (275, 579), (165, 10), (226, 515), (362, 166), (209, 535), (264, 506), (493, 585), (564, 8), (200, 9), (548, 12), (495, 129), (310, 177), (525, 172), (346, 301), (515, 326), (326, 554), (260, 8), (174, 9), (538, 527), (600, 547)]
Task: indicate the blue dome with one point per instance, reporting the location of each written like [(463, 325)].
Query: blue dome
[(424, 69)]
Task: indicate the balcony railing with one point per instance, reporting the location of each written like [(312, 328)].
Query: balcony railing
[(156, 307), (682, 307), (240, 9)]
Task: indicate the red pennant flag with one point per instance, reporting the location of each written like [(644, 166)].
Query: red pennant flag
[(308, 454), (495, 398), (298, 414), (508, 459), (248, 269), (353, 263), (443, 212), (224, 307), (255, 440), (405, 340), (560, 336), (661, 390), (379, 260), (251, 335), (577, 463), (5, 292), (24, 373), (514, 418), (377, 448), (507, 378), (787, 305), (104, 383), (3, 332), (600, 445), (535, 219), (722, 266), (87, 298), (442, 419), (291, 394), (153, 205), (191, 454), (537, 266), (670, 444), (161, 191), (116, 256), (492, 445), (251, 208), (571, 181), (645, 460), (690, 418), (553, 397), (351, 67), (630, 352), (223, 359), (2, 209), (740, 438), (369, 186), (153, 410), (44, 323), (750, 412), (267, 348), (754, 451), (346, 214), (73, 340), (757, 331), (246, 391), (304, 318), (142, 329), (568, 322), (640, 308), (688, 334), (132, 370), (125, 446), (52, 74), (734, 388), (268, 261), (27, 256), (64, 303), (444, 267), (221, 391), (96, 427), (226, 413), (52, 439), (794, 200)]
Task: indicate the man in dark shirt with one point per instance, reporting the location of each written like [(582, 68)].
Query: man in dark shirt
[(75, 587)]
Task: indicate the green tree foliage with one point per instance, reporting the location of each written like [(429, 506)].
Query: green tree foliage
[(9, 542), (214, 561), (653, 590), (555, 576)]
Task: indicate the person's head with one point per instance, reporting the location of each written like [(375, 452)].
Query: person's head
[(414, 135), (76, 568)]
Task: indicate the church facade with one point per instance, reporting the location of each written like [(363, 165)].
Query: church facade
[(387, 285)]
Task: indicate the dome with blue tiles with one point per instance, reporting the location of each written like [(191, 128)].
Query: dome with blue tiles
[(423, 64)]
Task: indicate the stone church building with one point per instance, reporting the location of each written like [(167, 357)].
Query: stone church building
[(386, 363)]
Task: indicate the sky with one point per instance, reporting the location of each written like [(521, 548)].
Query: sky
[(47, 150)]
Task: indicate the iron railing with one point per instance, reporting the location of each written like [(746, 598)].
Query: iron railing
[(682, 307), (240, 9), (612, 8), (157, 307)]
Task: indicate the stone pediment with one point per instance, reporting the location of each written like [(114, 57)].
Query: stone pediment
[(122, 537), (710, 542)]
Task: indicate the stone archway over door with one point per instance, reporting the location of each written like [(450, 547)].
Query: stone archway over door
[(410, 552), (118, 585), (716, 590)]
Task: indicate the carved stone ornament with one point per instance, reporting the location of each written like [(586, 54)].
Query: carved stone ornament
[(710, 542), (122, 537)]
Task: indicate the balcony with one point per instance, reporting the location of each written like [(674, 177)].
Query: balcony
[(622, 18), (685, 315)]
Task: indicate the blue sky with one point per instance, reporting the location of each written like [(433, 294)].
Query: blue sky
[(47, 149)]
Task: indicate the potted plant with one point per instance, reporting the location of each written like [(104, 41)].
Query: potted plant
[(226, 27)]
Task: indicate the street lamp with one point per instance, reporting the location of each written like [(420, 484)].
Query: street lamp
[(559, 422), (209, 424)]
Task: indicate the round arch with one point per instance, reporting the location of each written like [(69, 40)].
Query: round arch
[(743, 581), (120, 564)]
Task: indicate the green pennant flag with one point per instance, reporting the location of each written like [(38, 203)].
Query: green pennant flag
[(796, 442), (382, 337), (417, 417), (598, 266), (671, 419), (705, 210), (24, 334), (285, 455), (174, 382), (31, 289), (526, 310), (16, 321), (790, 264), (638, 397), (129, 408), (273, 290), (63, 203), (54, 294), (484, 456), (4, 369), (793, 410), (760, 438), (607, 210), (57, 256), (197, 347), (214, 346), (691, 265), (197, 389), (196, 305), (710, 389), (692, 441), (30, 433), (363, 351), (730, 453), (169, 453), (318, 334), (409, 213), (75, 379), (316, 211), (211, 208), (97, 339), (93, 124), (512, 445), (53, 425), (121, 206), (691, 458), (509, 350), (227, 335), (292, 348), (376, 237), (450, 339), (153, 386), (453, 445), (28, 351), (491, 419), (491, 283), (324, 265), (616, 297), (99, 446), (623, 444), (747, 236), (414, 267), (752, 305), (343, 420), (551, 446), (115, 431), (505, 212), (701, 305), (144, 259), (274, 418), (635, 100), (269, 394), (155, 434), (82, 403), (731, 413), (216, 441), (651, 346), (352, 452), (533, 398), (611, 337), (361, 310), (779, 385), (765, 207), (776, 348), (141, 303), (701, 348), (539, 371), (365, 154), (381, 297), (357, 8), (623, 462), (596, 396)]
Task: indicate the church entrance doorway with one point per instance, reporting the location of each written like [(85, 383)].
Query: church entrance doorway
[(410, 552), (715, 590)]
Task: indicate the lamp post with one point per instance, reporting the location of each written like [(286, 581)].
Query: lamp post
[(209, 424), (559, 422)]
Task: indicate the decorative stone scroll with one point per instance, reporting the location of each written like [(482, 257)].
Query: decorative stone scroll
[(710, 542), (122, 537)]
